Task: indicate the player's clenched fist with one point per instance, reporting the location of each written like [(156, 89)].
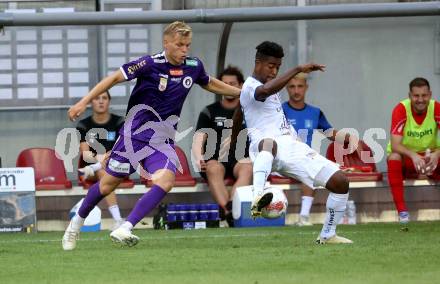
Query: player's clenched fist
[(75, 111)]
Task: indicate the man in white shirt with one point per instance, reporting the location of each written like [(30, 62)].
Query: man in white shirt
[(274, 146)]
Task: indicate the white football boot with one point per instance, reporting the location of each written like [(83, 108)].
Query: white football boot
[(124, 236), (259, 203), (70, 237), (333, 240)]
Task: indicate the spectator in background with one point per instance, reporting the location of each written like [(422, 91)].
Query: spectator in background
[(413, 148), (223, 163), (305, 118), (99, 133)]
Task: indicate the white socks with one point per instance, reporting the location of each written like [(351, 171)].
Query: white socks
[(336, 204), (262, 169), (77, 222), (127, 225), (114, 211), (306, 204)]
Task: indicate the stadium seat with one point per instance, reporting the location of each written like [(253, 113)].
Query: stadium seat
[(354, 167), (279, 179), (182, 179), (50, 173), (86, 184)]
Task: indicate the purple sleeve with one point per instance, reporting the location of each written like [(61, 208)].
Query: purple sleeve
[(202, 78), (136, 68)]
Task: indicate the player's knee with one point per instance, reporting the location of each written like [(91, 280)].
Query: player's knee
[(338, 183), (108, 185), (245, 171), (395, 156), (214, 168), (268, 145), (165, 180)]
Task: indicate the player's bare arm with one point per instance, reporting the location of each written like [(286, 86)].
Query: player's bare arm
[(105, 84), (218, 87), (197, 149), (397, 146), (276, 84)]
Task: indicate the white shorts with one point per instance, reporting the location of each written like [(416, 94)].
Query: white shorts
[(297, 160)]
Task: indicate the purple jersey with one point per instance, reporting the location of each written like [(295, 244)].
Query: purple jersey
[(157, 99)]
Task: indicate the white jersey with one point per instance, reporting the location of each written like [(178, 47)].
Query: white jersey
[(264, 119)]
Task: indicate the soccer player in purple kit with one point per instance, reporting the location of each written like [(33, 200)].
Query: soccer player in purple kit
[(147, 137)]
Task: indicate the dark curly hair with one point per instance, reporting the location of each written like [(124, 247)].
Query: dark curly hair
[(232, 71), (269, 48)]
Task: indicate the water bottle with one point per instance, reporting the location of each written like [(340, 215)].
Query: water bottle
[(213, 212), (203, 212), (180, 212), (171, 213), (185, 212), (192, 212), (351, 212)]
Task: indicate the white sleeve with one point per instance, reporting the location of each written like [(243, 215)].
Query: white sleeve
[(247, 95)]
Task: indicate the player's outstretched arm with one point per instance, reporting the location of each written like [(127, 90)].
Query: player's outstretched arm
[(273, 86), (219, 88), (105, 84)]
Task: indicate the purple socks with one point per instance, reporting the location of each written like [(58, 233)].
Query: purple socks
[(145, 204), (92, 199)]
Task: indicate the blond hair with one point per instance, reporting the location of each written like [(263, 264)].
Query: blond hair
[(301, 76), (178, 27)]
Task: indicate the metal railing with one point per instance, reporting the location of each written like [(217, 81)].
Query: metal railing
[(225, 15)]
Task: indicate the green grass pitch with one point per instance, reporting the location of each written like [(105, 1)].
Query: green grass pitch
[(381, 253)]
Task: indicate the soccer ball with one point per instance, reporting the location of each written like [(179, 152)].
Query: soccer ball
[(278, 206)]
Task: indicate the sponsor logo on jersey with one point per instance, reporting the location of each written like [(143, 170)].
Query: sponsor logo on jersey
[(191, 62), (220, 121), (419, 134), (187, 82), (308, 123), (176, 79), (292, 121), (163, 84), (111, 136), (157, 55), (158, 60), (133, 68), (176, 72)]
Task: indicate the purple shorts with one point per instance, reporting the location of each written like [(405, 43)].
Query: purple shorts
[(127, 154)]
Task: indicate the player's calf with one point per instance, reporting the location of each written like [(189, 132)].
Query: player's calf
[(338, 183)]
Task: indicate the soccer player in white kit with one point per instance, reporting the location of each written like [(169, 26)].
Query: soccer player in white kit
[(274, 146)]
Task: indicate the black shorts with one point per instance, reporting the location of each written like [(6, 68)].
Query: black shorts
[(229, 169)]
